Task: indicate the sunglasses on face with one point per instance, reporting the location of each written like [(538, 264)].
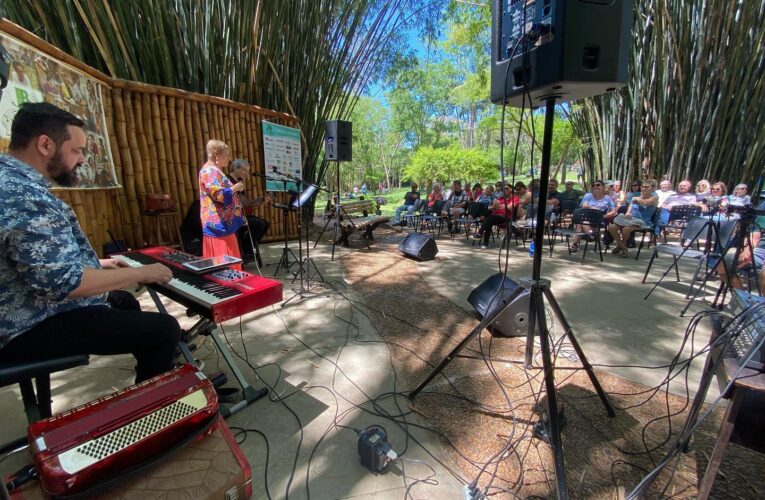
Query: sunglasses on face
[(597, 184), (646, 187)]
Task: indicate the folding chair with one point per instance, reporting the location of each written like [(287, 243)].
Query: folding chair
[(590, 217), (696, 229), (679, 215)]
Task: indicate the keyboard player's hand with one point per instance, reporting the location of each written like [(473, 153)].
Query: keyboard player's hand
[(155, 273)]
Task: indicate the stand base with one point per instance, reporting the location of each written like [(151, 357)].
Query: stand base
[(542, 429)]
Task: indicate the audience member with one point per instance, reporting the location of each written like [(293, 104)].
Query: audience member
[(409, 198), (716, 194), (665, 191), (596, 199), (638, 216), (477, 191), (569, 197), (468, 192), (746, 259), (702, 190), (455, 204), (553, 203), (633, 192), (435, 198), (739, 198), (617, 194), (503, 211), (682, 197), (481, 207)]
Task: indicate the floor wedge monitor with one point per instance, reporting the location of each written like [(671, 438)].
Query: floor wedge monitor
[(419, 246), (493, 294)]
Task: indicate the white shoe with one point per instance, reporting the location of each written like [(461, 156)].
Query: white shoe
[(484, 247)]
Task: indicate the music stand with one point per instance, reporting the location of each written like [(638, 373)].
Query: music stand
[(288, 257), (304, 266)]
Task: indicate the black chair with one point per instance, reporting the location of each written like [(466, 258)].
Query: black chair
[(191, 230), (590, 217), (679, 215), (37, 406)]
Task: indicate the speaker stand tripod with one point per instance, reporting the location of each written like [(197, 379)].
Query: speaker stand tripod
[(539, 289)]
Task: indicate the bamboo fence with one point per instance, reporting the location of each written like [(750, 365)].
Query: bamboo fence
[(158, 136)]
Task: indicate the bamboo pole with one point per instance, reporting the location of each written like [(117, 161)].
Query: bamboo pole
[(129, 181)]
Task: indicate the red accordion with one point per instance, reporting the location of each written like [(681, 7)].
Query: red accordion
[(88, 446)]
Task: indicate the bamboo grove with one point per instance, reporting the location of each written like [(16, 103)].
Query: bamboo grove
[(692, 107), (310, 59)]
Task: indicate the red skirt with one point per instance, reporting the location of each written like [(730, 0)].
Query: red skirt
[(224, 245)]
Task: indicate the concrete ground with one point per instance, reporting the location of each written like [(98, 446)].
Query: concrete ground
[(325, 363)]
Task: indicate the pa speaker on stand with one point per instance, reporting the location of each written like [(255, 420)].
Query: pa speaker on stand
[(562, 49), (338, 140)]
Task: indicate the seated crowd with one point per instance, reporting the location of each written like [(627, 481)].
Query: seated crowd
[(645, 205)]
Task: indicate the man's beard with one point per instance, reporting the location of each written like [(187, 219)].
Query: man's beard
[(59, 173)]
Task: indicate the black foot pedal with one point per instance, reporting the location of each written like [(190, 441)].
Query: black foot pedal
[(218, 379)]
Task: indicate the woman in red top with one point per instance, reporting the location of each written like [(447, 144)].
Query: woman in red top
[(503, 211), (435, 195)]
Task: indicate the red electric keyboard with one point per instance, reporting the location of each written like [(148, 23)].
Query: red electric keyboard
[(218, 295), (107, 438)]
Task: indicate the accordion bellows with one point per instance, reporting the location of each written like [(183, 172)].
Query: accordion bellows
[(111, 436)]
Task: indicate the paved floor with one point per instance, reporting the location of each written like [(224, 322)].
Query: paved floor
[(325, 363)]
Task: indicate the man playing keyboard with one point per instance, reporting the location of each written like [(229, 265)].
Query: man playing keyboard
[(53, 288)]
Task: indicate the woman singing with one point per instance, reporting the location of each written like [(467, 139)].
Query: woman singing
[(220, 208)]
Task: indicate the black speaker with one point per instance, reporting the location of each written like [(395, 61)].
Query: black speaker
[(338, 140), (419, 246), (513, 318), (568, 49)]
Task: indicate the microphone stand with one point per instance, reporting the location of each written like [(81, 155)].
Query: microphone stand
[(255, 250)]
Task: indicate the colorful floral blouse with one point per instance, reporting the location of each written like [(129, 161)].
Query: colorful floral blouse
[(220, 209)]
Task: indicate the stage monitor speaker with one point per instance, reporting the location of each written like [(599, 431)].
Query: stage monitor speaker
[(567, 49), (513, 318), (419, 246), (338, 140)]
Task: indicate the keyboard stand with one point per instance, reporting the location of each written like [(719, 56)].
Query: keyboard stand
[(206, 327)]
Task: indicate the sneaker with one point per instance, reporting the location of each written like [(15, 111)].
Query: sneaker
[(477, 236), (484, 247), (616, 250)]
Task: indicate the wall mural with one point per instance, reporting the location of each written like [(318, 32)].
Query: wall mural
[(33, 76)]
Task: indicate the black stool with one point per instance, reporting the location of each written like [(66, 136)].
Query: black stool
[(36, 405)]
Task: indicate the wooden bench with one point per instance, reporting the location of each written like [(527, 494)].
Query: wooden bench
[(365, 224)]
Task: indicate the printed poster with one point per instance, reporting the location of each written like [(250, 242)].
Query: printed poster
[(34, 76), (281, 156)]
